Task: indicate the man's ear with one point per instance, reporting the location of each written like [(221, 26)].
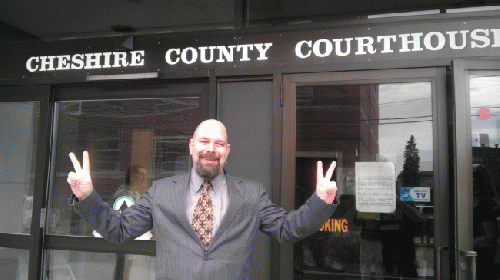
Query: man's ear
[(191, 146)]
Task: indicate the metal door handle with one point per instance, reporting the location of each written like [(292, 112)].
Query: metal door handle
[(471, 255)]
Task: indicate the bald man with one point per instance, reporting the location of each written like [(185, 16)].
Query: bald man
[(204, 221)]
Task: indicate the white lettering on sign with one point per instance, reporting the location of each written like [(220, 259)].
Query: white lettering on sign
[(85, 61), (418, 194), (410, 42), (405, 43), (218, 54)]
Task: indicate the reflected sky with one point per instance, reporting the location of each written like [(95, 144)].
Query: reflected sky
[(485, 93), (405, 110)]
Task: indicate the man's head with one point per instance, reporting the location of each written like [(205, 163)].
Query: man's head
[(209, 148)]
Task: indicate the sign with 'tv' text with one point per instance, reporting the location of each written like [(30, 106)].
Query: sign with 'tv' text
[(416, 194)]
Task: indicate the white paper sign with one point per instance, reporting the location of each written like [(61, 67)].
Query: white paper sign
[(375, 187)]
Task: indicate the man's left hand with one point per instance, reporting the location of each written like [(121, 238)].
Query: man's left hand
[(326, 189)]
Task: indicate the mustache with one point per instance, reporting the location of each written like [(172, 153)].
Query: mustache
[(210, 156)]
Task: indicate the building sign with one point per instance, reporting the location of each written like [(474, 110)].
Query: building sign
[(218, 54), (303, 49), (85, 61), (402, 43), (264, 52)]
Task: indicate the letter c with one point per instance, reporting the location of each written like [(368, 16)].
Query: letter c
[(168, 56), (29, 64), (298, 48)]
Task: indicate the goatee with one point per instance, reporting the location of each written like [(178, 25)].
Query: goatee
[(208, 171)]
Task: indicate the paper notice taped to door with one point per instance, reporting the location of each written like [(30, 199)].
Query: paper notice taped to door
[(375, 187)]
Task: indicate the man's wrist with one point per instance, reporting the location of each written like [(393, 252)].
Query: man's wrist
[(82, 197), (324, 199), (75, 199)]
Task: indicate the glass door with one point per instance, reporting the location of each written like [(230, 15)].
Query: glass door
[(383, 129), (477, 138), (24, 112), (135, 137)]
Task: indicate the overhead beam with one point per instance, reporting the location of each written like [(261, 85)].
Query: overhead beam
[(240, 14)]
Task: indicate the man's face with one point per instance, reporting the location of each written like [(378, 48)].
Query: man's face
[(209, 149)]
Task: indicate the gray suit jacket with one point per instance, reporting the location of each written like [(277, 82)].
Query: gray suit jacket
[(179, 252)]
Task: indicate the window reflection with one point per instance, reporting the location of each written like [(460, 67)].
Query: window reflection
[(377, 123), (139, 267), (14, 263), (18, 137), (131, 143), (485, 110), (485, 132), (74, 265)]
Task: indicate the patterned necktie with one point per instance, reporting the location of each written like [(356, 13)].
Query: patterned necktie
[(203, 215)]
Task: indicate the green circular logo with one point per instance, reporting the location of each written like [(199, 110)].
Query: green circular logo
[(123, 202)]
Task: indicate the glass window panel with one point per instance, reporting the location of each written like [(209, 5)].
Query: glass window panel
[(14, 263), (485, 132), (88, 265), (390, 127), (131, 143), (73, 265), (138, 267), (18, 134)]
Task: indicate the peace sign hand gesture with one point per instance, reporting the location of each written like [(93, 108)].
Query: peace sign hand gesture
[(326, 189), (80, 181)]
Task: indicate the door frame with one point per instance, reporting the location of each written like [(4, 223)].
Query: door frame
[(462, 168), (442, 229)]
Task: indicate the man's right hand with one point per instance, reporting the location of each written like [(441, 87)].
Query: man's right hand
[(80, 181)]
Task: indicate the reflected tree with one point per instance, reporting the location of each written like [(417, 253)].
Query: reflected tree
[(411, 166)]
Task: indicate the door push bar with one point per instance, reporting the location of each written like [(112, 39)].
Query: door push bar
[(471, 255)]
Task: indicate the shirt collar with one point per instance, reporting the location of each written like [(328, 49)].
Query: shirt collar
[(196, 181)]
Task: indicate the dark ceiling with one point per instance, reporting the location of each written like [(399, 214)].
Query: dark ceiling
[(66, 19)]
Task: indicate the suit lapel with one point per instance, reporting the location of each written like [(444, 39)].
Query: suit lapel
[(181, 188), (235, 203)]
